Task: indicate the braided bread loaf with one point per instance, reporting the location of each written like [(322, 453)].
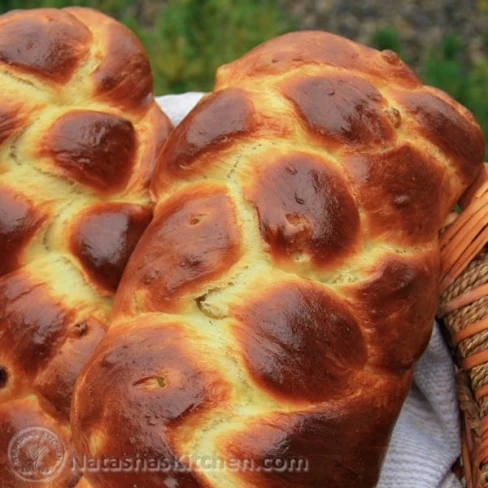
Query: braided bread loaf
[(80, 134), (267, 325)]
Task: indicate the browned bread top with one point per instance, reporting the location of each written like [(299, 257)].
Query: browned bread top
[(276, 305), (99, 56), (80, 134)]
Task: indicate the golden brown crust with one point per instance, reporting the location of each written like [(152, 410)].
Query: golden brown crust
[(292, 267), (304, 206), (54, 385), (205, 134), (334, 444), (295, 351), (18, 414), (32, 324), (94, 149), (49, 44), (443, 124), (19, 221), (12, 119), (297, 49), (105, 237), (410, 185), (395, 305), (163, 374), (200, 227), (123, 76), (352, 112), (80, 134)]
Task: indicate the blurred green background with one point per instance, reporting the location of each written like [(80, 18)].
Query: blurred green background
[(446, 41)]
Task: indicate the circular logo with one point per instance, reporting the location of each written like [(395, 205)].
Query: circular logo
[(35, 454)]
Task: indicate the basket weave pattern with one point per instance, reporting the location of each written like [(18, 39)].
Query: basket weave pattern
[(463, 308)]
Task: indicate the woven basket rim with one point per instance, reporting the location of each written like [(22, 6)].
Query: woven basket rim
[(463, 286)]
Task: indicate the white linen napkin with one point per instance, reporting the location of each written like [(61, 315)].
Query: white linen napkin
[(426, 439)]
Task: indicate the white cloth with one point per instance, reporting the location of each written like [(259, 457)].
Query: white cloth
[(425, 441)]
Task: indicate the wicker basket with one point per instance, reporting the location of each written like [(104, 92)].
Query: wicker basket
[(463, 308)]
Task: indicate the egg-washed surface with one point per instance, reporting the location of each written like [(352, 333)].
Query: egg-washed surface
[(267, 325), (80, 134)]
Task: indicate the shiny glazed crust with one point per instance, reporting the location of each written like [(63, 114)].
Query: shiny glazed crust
[(276, 305), (80, 134)]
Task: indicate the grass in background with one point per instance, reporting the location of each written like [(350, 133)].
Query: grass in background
[(192, 38), (116, 8), (188, 39), (386, 38)]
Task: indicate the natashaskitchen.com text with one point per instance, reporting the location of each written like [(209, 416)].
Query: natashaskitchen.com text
[(188, 463)]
